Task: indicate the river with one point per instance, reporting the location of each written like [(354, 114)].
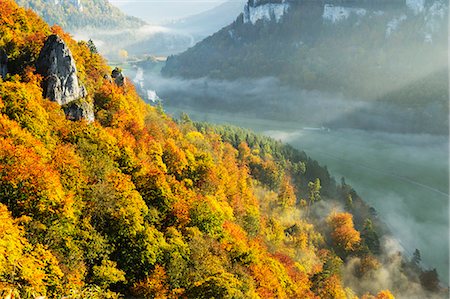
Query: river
[(405, 177)]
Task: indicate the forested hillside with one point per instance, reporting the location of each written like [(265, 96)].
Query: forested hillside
[(75, 14), (136, 204), (382, 52)]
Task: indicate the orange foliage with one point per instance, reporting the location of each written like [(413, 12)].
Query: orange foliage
[(386, 294), (301, 284), (286, 194), (267, 283), (344, 235), (33, 265), (133, 178), (31, 185), (331, 288), (154, 286)]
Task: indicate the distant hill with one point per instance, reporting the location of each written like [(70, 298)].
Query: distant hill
[(210, 21), (162, 11), (74, 14), (361, 50), (111, 30)]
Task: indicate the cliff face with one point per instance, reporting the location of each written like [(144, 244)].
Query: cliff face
[(279, 30), (61, 84), (57, 66), (256, 10), (364, 50)]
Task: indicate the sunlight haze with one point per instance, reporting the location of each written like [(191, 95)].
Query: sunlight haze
[(154, 11)]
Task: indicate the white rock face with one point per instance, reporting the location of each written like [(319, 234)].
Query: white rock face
[(336, 14), (267, 12), (231, 33), (437, 9), (77, 3), (393, 24), (417, 6), (139, 78), (57, 66), (153, 96), (428, 38)]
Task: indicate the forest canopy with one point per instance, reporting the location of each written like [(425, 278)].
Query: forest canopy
[(138, 204)]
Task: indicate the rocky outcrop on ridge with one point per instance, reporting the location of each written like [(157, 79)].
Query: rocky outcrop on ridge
[(118, 77), (61, 84), (57, 65)]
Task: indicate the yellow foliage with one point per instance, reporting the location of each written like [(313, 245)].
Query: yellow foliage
[(21, 261), (137, 201)]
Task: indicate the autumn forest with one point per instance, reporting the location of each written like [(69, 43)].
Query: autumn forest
[(136, 204)]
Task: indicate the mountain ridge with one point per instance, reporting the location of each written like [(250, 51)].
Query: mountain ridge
[(361, 50), (75, 14)]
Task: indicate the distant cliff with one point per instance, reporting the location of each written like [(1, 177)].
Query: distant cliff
[(312, 42), (390, 51)]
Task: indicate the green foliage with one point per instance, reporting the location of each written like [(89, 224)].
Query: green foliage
[(138, 204), (314, 191), (371, 238), (107, 273), (92, 47), (221, 285), (92, 292), (207, 219), (70, 15), (401, 70), (430, 280)]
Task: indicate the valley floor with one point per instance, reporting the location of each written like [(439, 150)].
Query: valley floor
[(404, 176)]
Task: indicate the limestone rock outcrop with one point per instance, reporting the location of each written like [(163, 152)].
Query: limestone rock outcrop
[(79, 109), (61, 84), (118, 77), (58, 67)]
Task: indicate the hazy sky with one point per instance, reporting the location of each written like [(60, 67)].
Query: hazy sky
[(157, 11)]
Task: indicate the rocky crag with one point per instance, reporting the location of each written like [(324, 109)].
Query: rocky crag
[(61, 83)]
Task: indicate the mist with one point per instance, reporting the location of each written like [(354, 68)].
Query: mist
[(157, 39), (387, 276), (171, 27), (269, 99), (161, 11), (403, 174)]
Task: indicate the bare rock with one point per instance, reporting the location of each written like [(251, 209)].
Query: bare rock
[(58, 67), (79, 109), (107, 78), (60, 82), (118, 77)]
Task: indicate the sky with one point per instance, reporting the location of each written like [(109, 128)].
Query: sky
[(160, 11)]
